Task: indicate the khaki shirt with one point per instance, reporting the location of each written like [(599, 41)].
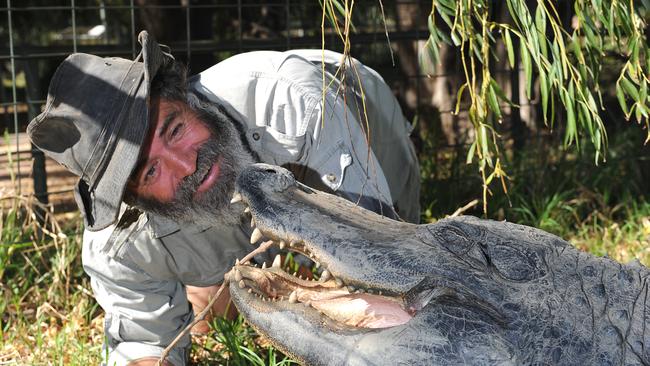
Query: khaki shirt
[(139, 267)]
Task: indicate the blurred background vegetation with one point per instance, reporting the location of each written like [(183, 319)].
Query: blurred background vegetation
[(498, 128)]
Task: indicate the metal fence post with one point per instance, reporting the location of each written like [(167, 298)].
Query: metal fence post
[(39, 174)]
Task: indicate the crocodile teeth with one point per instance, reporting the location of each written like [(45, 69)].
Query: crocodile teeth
[(242, 284), (293, 297), (256, 236), (277, 261), (247, 210), (316, 264), (250, 290), (263, 265), (282, 244), (325, 276), (252, 221), (236, 198), (238, 276)]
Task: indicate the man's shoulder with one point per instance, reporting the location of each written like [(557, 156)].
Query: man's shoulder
[(130, 224), (292, 67), (160, 249), (259, 61), (128, 244)]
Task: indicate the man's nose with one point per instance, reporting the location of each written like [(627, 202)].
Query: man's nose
[(183, 163)]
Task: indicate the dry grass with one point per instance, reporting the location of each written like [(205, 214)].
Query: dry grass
[(49, 316)]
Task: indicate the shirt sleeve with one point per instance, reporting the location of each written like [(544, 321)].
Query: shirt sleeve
[(143, 314)]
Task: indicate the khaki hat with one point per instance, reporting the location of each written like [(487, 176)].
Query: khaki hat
[(94, 123)]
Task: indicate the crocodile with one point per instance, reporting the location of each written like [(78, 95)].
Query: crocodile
[(459, 291)]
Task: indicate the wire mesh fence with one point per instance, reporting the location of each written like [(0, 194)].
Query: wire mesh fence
[(36, 35)]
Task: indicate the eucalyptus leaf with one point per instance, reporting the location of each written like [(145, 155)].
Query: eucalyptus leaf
[(621, 101), (459, 97), (544, 91), (499, 92), (629, 88), (509, 48), (471, 152), (528, 69), (494, 103)]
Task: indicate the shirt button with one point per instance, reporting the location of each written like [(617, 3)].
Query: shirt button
[(331, 178), (256, 136)]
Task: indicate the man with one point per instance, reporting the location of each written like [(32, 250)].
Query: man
[(142, 138)]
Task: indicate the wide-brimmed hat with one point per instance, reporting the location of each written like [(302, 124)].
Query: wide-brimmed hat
[(95, 120)]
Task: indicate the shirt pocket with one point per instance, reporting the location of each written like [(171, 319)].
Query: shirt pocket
[(340, 171), (279, 148), (337, 170)]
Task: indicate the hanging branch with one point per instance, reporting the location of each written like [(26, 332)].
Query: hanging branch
[(565, 62)]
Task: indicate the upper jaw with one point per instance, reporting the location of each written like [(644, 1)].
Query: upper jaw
[(298, 219), (319, 225)]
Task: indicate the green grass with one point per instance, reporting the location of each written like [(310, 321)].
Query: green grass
[(50, 318), (235, 343), (48, 313)]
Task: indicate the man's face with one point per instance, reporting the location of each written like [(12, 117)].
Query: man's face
[(188, 164)]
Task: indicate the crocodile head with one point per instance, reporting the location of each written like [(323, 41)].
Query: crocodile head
[(462, 290)]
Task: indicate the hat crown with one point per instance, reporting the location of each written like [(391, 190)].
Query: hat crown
[(86, 95)]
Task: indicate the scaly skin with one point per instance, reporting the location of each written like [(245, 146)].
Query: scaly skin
[(483, 292)]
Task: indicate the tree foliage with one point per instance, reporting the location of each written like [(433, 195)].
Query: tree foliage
[(564, 60)]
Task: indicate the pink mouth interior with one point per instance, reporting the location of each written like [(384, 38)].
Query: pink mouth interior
[(357, 309), (210, 177)]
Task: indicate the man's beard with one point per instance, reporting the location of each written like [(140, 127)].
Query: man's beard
[(213, 205)]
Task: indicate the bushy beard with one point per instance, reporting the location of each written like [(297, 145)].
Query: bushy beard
[(212, 206)]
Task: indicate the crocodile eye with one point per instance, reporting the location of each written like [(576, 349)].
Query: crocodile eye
[(515, 262), (488, 248)]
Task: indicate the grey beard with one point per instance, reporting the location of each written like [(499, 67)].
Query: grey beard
[(213, 206)]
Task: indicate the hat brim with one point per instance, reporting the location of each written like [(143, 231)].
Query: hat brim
[(101, 205)]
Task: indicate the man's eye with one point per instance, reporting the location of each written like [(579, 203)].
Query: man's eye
[(176, 130), (150, 173)]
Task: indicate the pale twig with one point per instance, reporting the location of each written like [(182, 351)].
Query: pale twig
[(261, 249), (47, 308), (464, 208)]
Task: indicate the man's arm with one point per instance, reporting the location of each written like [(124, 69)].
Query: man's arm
[(199, 297), (143, 314), (148, 361)]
